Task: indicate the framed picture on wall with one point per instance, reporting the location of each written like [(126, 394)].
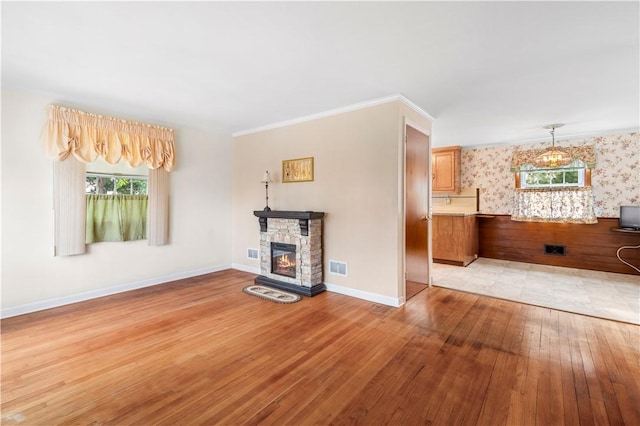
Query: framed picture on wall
[(297, 170)]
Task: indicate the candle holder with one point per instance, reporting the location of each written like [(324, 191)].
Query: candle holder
[(266, 179)]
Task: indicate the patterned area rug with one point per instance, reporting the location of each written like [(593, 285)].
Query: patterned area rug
[(271, 294)]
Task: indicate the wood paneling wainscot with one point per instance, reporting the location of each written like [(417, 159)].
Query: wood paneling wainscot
[(586, 246)]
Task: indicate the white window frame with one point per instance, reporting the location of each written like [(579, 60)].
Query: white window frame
[(581, 178), (115, 176)]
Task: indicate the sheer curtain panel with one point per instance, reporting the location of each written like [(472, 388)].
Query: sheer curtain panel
[(158, 223), (565, 205), (116, 217), (69, 207)]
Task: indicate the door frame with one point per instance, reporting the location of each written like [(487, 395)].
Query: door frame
[(407, 122)]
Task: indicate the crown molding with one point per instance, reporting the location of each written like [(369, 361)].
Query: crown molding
[(565, 137), (402, 98), (337, 111)]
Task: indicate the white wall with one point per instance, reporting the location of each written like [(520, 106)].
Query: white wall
[(32, 278)]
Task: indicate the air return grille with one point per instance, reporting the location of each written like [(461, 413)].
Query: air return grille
[(555, 250), (252, 253), (337, 268)]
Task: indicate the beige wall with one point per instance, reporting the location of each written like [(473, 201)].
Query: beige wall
[(357, 183), (200, 223)]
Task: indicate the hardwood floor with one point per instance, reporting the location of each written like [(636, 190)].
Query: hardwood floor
[(200, 351)]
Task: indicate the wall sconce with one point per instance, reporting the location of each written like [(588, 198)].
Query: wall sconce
[(266, 179)]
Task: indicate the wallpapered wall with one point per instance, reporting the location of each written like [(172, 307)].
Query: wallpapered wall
[(615, 180)]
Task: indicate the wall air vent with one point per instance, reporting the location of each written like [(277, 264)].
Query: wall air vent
[(337, 268), (555, 250), (252, 253)]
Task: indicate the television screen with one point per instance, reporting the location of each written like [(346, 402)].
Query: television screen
[(630, 217)]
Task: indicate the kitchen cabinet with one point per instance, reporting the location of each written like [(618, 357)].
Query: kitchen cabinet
[(445, 169), (455, 238)]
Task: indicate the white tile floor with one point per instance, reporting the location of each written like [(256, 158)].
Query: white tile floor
[(601, 294)]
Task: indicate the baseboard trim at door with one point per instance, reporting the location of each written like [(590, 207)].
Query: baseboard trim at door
[(365, 295)]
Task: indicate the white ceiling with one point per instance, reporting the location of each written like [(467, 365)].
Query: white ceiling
[(489, 72)]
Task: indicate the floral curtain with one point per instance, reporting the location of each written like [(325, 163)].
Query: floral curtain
[(116, 218), (566, 205), (88, 136), (584, 155)]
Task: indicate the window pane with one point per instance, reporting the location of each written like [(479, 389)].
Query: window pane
[(105, 185), (91, 185), (571, 176), (556, 177), (543, 178), (139, 186), (123, 186)]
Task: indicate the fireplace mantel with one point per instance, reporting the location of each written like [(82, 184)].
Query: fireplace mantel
[(285, 214), (303, 217)]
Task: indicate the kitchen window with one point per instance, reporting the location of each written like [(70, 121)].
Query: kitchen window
[(552, 178)]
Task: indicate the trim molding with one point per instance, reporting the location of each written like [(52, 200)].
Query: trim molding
[(365, 295), (337, 111), (347, 291), (94, 294), (415, 107), (565, 138), (245, 268)]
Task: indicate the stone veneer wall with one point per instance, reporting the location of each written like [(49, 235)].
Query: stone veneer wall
[(308, 250)]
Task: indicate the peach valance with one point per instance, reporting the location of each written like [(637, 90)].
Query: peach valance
[(583, 154), (88, 136)]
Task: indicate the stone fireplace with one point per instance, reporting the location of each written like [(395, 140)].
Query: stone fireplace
[(291, 251)]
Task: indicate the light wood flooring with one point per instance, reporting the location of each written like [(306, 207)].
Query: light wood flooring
[(200, 351)]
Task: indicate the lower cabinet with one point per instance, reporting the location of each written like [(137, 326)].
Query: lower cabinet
[(455, 239)]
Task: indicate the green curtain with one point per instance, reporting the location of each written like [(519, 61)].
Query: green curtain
[(116, 217)]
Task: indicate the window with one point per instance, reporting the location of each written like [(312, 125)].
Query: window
[(552, 178), (116, 207), (553, 195), (97, 183)]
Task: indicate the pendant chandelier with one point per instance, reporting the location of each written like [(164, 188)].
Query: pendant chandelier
[(552, 157)]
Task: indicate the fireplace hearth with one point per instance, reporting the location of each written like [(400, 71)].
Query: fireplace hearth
[(291, 251)]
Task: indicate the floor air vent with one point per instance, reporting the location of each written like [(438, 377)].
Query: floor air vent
[(252, 253), (555, 250), (337, 268)]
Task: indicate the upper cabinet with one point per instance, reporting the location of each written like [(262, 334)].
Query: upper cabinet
[(445, 169)]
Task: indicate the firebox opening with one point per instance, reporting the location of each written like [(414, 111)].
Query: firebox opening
[(283, 259)]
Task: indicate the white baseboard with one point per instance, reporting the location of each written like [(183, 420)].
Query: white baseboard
[(94, 294), (365, 295), (245, 268)]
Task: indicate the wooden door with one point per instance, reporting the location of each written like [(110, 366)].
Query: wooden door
[(417, 206)]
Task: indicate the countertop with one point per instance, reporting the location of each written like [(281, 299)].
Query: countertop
[(453, 213)]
